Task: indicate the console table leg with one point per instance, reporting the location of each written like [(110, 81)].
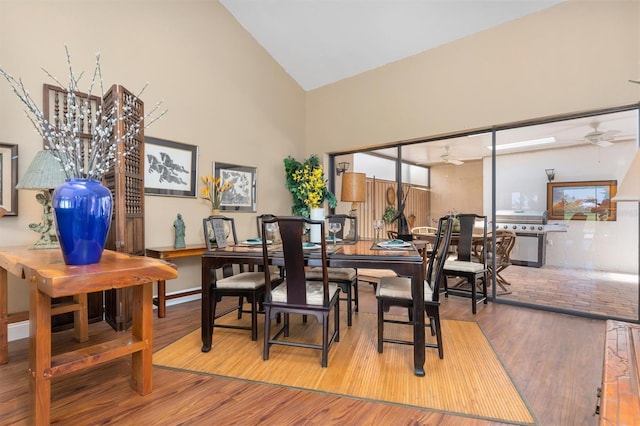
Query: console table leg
[(142, 328), (39, 355), (81, 318)]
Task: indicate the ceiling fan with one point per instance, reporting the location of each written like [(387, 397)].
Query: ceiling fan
[(597, 137), (449, 159)]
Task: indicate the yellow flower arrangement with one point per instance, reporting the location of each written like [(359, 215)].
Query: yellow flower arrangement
[(307, 185), (311, 185), (213, 190)]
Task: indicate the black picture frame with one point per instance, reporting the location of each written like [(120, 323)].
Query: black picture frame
[(170, 168), (586, 200), (241, 197), (9, 178)]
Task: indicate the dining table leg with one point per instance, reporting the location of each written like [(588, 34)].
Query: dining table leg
[(417, 282)]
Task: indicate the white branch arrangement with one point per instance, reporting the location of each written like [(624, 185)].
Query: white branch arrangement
[(64, 140)]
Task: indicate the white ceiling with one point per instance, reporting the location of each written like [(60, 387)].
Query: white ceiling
[(319, 42)]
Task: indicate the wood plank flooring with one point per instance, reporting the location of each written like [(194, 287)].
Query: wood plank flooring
[(554, 359)]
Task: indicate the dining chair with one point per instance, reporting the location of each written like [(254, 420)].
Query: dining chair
[(504, 242), (297, 295), (396, 291), (235, 281), (346, 278), (464, 264)]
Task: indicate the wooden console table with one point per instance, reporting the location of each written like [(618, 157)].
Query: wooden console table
[(169, 253), (48, 277), (620, 393)]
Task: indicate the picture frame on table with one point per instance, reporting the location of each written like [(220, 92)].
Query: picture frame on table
[(241, 197), (9, 178), (170, 168), (586, 200)]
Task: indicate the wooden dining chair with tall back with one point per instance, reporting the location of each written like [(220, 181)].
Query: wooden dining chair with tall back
[(464, 265), (235, 281), (346, 278), (504, 241), (297, 295), (396, 291)]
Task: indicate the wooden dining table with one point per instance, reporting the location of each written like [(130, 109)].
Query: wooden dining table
[(363, 254)]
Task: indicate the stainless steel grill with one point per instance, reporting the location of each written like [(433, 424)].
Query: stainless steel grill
[(530, 227), (522, 221)]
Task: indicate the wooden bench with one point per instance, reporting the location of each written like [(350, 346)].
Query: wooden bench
[(620, 393)]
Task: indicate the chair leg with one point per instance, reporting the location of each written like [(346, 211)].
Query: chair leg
[(380, 325), (267, 333), (254, 318), (240, 303), (355, 294), (349, 302), (474, 295), (325, 338), (435, 319), (485, 294)]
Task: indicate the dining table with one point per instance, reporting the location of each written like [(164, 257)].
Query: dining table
[(405, 261)]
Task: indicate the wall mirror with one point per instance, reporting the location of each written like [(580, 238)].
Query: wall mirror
[(9, 178)]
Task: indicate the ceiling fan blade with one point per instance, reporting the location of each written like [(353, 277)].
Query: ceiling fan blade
[(455, 162), (609, 134), (603, 143)]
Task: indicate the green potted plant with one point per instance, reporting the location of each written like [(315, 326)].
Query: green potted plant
[(305, 181)]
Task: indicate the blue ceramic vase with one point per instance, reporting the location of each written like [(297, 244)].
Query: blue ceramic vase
[(82, 211)]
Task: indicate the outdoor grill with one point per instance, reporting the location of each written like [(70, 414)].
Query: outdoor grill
[(530, 227), (522, 221)]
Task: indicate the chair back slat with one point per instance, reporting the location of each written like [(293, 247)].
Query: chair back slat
[(291, 231), (208, 226), (435, 260), (466, 238)]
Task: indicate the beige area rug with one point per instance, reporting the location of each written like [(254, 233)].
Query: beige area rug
[(470, 381)]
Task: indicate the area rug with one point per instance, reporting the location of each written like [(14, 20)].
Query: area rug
[(470, 381)]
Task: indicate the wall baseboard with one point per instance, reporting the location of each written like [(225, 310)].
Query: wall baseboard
[(20, 330)]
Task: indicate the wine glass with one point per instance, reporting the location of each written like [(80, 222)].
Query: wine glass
[(378, 225), (270, 229), (334, 227)]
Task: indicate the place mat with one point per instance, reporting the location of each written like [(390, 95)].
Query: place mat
[(375, 246)]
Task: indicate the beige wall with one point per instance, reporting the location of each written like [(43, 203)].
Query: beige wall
[(224, 94), (575, 56)]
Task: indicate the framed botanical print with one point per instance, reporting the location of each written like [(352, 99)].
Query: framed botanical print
[(241, 196)]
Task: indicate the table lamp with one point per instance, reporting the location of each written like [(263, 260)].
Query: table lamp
[(44, 174), (354, 189)]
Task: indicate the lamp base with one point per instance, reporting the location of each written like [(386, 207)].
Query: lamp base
[(46, 229)]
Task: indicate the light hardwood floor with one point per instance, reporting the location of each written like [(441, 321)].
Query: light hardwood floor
[(554, 359)]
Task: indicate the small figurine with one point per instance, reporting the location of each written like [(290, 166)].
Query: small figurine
[(179, 227)]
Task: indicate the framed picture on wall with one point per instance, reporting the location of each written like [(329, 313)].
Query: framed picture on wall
[(242, 194), (588, 200), (9, 178), (170, 168)]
